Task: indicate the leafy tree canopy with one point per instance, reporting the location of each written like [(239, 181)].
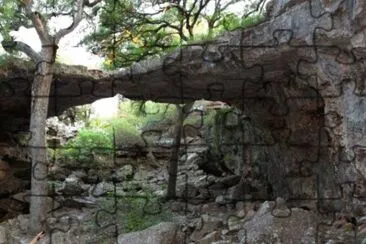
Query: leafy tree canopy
[(130, 30)]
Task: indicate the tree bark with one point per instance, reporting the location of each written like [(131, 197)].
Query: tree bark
[(173, 163), (39, 109)]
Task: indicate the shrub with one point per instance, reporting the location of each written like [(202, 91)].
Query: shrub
[(158, 113), (251, 20), (144, 113), (209, 118), (125, 133), (232, 22), (87, 143), (102, 136)]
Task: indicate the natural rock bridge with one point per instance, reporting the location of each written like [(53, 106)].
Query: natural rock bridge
[(298, 76)]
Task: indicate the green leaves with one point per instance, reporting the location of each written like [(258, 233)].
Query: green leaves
[(126, 34), (9, 17), (86, 143)]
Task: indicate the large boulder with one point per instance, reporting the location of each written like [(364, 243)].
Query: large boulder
[(298, 226), (163, 233), (72, 186), (101, 189), (122, 174)]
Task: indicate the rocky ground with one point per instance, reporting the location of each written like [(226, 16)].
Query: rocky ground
[(202, 214), (124, 202)]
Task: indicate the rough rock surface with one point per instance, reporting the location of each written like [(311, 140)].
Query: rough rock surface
[(163, 233), (273, 228)]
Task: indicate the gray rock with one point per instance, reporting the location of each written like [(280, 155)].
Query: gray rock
[(361, 220), (230, 180), (210, 224), (80, 202), (3, 235), (211, 237), (222, 242), (23, 222), (265, 208), (101, 189), (221, 200), (163, 233), (192, 158), (124, 173), (235, 223), (72, 186), (143, 174), (186, 191), (265, 227), (22, 196), (80, 174), (281, 210)]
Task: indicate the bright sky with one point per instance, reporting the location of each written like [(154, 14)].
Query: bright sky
[(67, 52)]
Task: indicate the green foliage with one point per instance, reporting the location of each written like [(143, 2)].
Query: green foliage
[(13, 15), (125, 133), (51, 154), (121, 36), (232, 22), (136, 211), (252, 20), (88, 143), (126, 34), (209, 118), (9, 17), (54, 184), (135, 218), (195, 121), (102, 136), (22, 138), (146, 114), (98, 123), (159, 113), (5, 59), (214, 124)]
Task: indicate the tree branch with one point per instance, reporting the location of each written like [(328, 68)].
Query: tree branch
[(78, 16), (91, 4), (22, 47), (38, 22), (56, 14)]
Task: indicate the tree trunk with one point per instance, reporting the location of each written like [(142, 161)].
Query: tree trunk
[(173, 163), (39, 109)]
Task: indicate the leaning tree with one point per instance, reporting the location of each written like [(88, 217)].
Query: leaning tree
[(37, 14)]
